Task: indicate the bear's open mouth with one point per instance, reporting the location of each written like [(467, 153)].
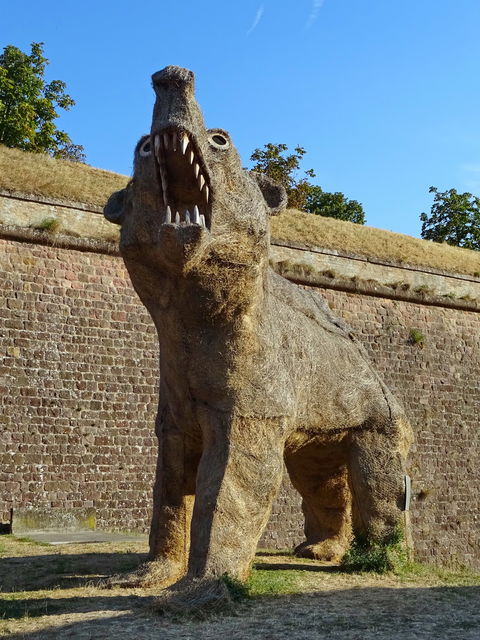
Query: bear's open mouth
[(183, 178)]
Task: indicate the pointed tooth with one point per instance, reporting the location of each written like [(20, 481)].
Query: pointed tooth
[(177, 218), (207, 192), (165, 140), (202, 221), (196, 168), (184, 143), (201, 181), (168, 217), (187, 217), (165, 201), (191, 157), (174, 141), (157, 144), (163, 177), (196, 215)]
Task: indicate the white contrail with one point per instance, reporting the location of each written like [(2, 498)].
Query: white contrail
[(258, 17), (316, 6)]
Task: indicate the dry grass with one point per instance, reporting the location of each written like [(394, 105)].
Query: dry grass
[(50, 592), (316, 231), (39, 174)]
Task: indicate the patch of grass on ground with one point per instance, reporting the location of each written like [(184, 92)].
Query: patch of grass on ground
[(391, 557), (267, 583), (25, 539), (414, 572), (379, 557), (264, 583)]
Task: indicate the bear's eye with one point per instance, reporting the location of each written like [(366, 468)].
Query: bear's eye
[(218, 141), (146, 148)]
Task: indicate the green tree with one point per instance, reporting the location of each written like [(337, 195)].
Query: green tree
[(273, 161), (333, 205), (28, 105), (454, 218)]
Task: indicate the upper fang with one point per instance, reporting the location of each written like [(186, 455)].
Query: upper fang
[(163, 178)]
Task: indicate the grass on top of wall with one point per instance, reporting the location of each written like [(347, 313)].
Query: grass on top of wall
[(346, 237), (39, 174)]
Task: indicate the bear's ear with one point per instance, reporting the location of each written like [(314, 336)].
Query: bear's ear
[(273, 192), (114, 210)]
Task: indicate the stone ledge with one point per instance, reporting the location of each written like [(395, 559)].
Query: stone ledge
[(373, 260), (56, 202), (34, 236), (36, 518), (72, 220), (358, 275)]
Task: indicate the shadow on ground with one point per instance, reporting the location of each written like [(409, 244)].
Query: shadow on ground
[(350, 614), (30, 573), (45, 606)]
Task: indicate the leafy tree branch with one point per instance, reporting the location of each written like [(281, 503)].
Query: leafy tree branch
[(275, 161), (28, 105), (454, 218)]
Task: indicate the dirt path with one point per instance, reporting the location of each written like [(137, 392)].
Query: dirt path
[(50, 593)]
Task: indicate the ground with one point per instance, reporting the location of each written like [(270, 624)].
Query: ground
[(52, 592)]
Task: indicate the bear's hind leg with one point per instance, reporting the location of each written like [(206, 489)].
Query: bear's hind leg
[(318, 470), (376, 462)]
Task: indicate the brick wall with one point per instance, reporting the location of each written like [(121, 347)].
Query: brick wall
[(78, 380), (78, 385)]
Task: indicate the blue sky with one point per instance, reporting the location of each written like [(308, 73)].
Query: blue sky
[(383, 94)]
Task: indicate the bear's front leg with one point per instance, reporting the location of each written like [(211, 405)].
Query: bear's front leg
[(173, 498), (239, 474)]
